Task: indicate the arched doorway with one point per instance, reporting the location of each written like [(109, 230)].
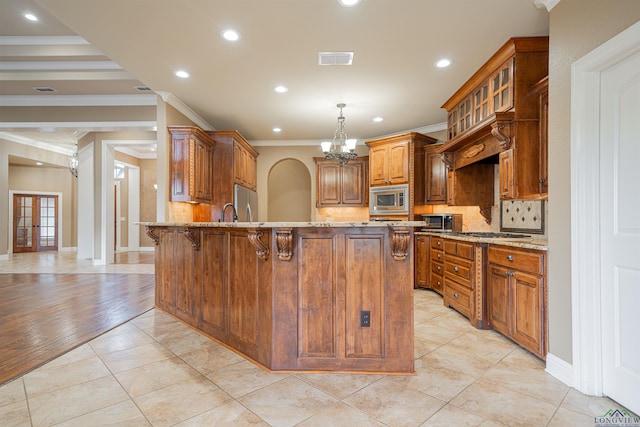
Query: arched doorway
[(289, 192)]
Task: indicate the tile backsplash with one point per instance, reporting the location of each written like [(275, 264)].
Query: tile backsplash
[(522, 216)]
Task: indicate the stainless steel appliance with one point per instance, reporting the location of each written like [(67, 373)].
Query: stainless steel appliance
[(389, 200), (442, 222), (245, 202)]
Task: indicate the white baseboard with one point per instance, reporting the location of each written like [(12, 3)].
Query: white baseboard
[(560, 369), (69, 249), (147, 248)]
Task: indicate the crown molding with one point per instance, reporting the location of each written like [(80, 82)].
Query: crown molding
[(81, 126), (58, 65), (176, 103), (19, 139), (547, 4), (77, 100), (42, 40)]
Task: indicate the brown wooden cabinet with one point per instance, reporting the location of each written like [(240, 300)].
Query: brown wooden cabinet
[(421, 261), (517, 296), (436, 177), (436, 264), (505, 160), (244, 165), (505, 115), (235, 160), (397, 160), (346, 185), (459, 276), (542, 89), (192, 165)]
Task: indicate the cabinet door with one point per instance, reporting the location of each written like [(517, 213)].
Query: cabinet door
[(203, 166), (379, 165), (498, 298), (507, 190), (180, 169), (452, 124), (527, 313), (436, 173), (465, 114), (399, 163), (422, 262), (543, 142), (352, 183), (329, 189), (481, 102), (238, 165), (502, 87), (252, 172)]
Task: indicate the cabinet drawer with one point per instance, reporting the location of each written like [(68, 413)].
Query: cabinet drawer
[(459, 249), (437, 268), (457, 297), (458, 268), (437, 256), (436, 282), (437, 243), (528, 261)]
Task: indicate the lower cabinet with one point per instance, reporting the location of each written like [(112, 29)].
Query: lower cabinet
[(517, 294), (459, 276), (436, 264), (421, 268)]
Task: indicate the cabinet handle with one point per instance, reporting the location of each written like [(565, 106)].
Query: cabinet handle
[(455, 269), (438, 243), (439, 283), (455, 295), (438, 256), (504, 194), (509, 257), (438, 267)]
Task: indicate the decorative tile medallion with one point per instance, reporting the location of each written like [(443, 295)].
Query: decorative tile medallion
[(522, 216)]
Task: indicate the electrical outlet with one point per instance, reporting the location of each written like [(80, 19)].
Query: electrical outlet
[(365, 318)]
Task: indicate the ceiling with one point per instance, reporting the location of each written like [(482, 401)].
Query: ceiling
[(95, 53)]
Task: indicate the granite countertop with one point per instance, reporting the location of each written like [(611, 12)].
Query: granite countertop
[(412, 224), (533, 242)]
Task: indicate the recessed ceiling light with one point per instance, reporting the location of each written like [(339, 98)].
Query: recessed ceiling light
[(39, 163), (31, 17), (443, 63), (182, 74), (348, 3), (378, 119), (277, 130), (281, 89), (231, 35)]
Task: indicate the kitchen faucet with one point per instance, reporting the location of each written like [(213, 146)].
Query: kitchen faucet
[(235, 214)]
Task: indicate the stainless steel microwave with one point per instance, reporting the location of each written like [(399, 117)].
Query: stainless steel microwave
[(442, 222), (389, 200)]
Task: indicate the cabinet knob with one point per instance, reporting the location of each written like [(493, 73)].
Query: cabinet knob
[(439, 283), (455, 295), (438, 267), (438, 256), (509, 257), (455, 269), (438, 243)]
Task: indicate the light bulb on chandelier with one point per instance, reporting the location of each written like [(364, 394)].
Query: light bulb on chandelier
[(341, 148)]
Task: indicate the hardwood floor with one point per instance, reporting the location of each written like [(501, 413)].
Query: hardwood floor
[(46, 315)]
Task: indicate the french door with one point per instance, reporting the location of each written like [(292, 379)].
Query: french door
[(35, 223)]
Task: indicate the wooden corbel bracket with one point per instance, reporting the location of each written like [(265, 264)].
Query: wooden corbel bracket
[(194, 237), (284, 242), (151, 232), (501, 130), (262, 250), (400, 243), (485, 211)]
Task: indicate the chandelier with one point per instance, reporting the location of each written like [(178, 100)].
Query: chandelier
[(73, 164), (341, 149)]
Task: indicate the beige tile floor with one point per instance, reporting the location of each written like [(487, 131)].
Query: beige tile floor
[(156, 371)]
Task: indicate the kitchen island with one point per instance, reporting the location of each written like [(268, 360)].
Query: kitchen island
[(294, 296)]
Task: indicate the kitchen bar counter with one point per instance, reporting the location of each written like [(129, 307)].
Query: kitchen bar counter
[(533, 242), (294, 296)]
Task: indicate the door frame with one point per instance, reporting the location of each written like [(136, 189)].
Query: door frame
[(35, 193), (586, 286)]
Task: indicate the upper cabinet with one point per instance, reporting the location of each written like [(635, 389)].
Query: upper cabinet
[(235, 160), (435, 175), (498, 110), (400, 159), (191, 165), (542, 89), (346, 185)]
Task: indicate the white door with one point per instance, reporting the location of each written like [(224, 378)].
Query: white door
[(620, 230)]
